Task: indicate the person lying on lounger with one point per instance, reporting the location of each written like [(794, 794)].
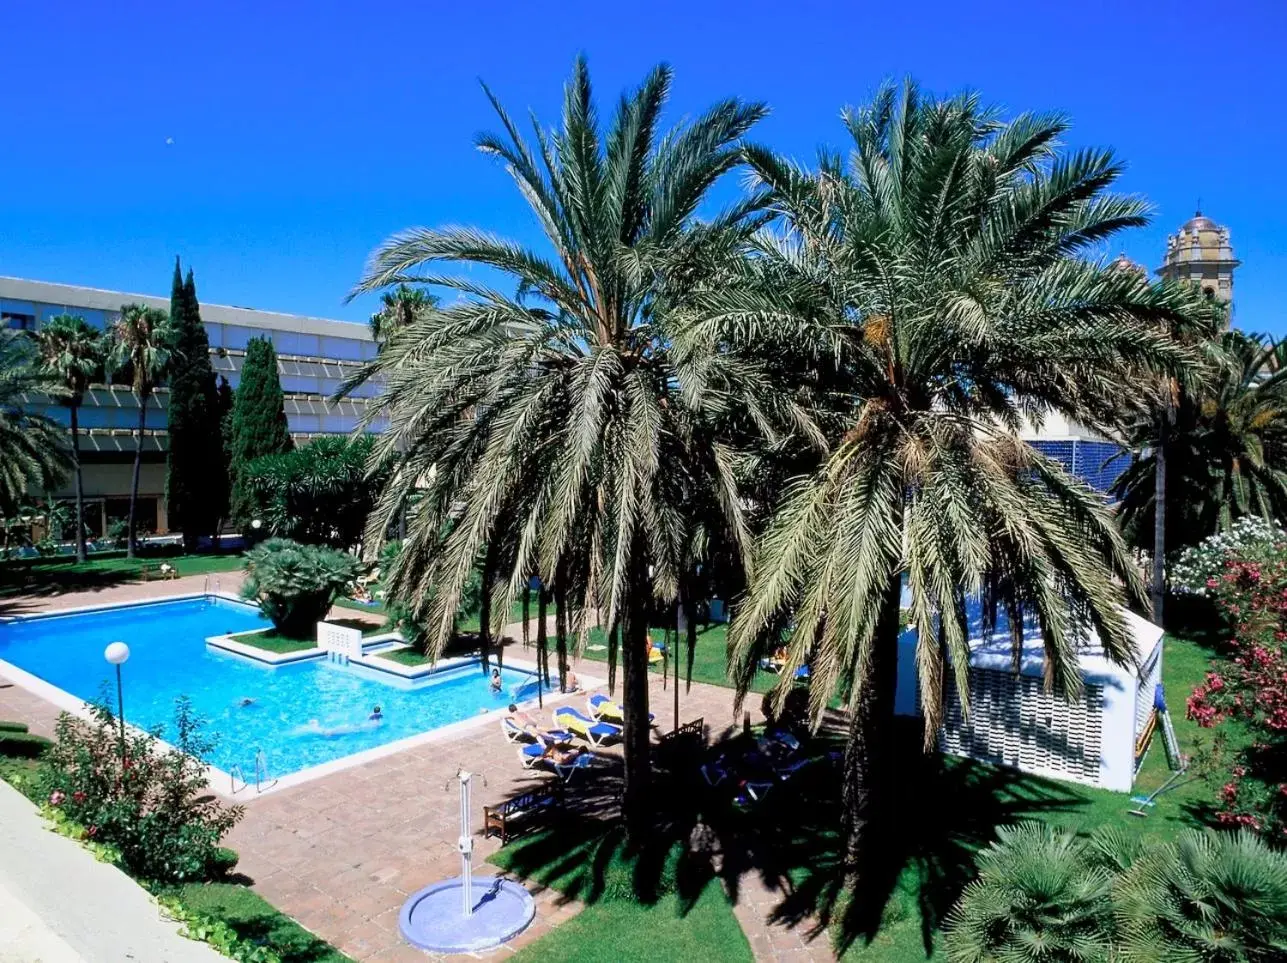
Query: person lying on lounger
[(523, 720), (562, 757)]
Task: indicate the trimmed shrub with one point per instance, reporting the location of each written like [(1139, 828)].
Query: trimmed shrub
[(22, 745), (295, 585)]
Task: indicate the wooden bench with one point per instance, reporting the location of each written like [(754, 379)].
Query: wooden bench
[(522, 812), (683, 743)]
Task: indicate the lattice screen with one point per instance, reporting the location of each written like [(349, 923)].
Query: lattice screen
[(1014, 723)]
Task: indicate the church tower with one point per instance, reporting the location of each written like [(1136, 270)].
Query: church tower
[(1200, 252)]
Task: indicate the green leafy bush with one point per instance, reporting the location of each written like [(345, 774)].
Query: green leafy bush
[(151, 805), (295, 585)]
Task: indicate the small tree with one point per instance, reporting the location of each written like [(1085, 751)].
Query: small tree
[(33, 450), (71, 353), (139, 346), (295, 585), (258, 426), (196, 485)]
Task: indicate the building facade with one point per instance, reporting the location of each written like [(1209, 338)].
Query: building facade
[(314, 356)]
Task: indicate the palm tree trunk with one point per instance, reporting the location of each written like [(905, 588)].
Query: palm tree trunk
[(634, 689), (130, 537), (868, 774), (1159, 513), (542, 634), (79, 521), (561, 632)]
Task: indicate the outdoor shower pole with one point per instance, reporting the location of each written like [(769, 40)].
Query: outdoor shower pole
[(466, 845)]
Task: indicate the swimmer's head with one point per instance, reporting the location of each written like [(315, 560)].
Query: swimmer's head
[(512, 707)]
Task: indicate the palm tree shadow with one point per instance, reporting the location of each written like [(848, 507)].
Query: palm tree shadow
[(944, 810)]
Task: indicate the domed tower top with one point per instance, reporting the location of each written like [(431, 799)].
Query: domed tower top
[(1200, 252)]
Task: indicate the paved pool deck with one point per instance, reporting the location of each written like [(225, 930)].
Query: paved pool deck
[(341, 853)]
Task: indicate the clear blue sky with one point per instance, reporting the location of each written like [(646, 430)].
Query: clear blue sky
[(301, 139)]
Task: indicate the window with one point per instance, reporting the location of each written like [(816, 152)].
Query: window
[(19, 322)]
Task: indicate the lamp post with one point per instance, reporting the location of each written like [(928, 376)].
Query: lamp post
[(116, 653)]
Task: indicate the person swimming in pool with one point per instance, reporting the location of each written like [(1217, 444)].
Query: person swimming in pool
[(377, 714), (245, 701), (496, 680)]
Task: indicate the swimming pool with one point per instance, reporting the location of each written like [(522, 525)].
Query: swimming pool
[(302, 714)]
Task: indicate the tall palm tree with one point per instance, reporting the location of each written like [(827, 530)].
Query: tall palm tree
[(1226, 450), (33, 450), (554, 426), (139, 339), (71, 353), (931, 289)]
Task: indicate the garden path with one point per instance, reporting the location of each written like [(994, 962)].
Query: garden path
[(60, 905)]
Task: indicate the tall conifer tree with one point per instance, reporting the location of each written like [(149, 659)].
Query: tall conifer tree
[(196, 485), (258, 424)]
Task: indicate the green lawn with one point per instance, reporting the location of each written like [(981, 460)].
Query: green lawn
[(404, 657), (255, 919), (673, 925), (710, 657), (55, 576)]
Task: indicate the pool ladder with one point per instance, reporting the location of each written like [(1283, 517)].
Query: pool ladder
[(205, 588), (262, 779)]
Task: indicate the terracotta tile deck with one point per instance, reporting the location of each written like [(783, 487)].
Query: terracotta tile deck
[(341, 853)]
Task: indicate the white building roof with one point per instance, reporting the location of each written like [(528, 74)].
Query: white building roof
[(74, 296)]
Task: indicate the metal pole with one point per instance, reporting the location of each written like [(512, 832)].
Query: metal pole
[(120, 711), (466, 845)]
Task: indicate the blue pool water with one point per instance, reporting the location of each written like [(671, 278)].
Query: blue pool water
[(169, 658)]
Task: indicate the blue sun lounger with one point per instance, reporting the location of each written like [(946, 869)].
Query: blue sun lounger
[(595, 733), (567, 770)]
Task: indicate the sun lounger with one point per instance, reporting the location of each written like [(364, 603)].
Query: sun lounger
[(530, 754), (581, 762), (595, 733), (516, 733), (604, 708)]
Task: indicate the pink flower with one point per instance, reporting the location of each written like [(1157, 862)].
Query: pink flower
[(56, 797)]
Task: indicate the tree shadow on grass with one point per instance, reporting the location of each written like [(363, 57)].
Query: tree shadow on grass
[(257, 921), (944, 811)]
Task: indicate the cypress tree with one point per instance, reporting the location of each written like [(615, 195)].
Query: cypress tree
[(258, 424), (196, 485)]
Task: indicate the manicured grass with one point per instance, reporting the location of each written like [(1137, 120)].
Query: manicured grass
[(54, 576), (255, 919), (710, 656), (272, 641), (634, 933), (405, 657), (675, 925)]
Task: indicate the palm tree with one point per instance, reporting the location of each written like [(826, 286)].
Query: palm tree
[(398, 309), (554, 427), (71, 353), (931, 292), (1205, 896), (1038, 897), (33, 451), (139, 338), (1226, 451)]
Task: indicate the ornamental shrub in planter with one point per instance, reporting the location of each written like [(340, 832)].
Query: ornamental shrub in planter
[(295, 585)]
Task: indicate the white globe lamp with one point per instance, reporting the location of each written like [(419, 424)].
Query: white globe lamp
[(116, 653)]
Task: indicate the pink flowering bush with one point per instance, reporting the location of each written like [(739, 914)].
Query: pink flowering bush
[(1250, 685)]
